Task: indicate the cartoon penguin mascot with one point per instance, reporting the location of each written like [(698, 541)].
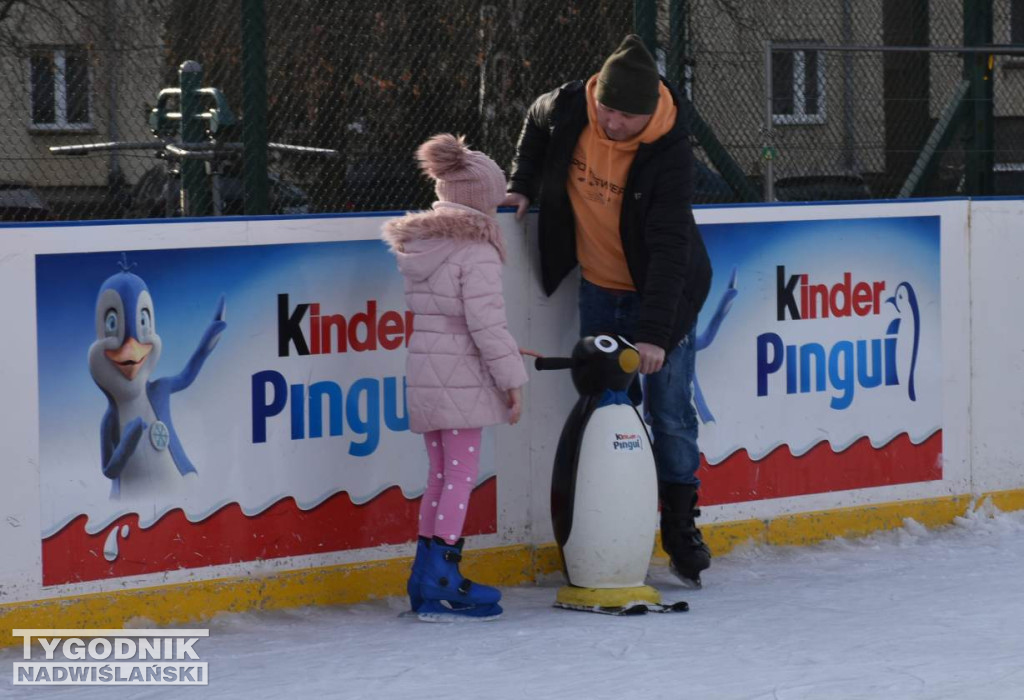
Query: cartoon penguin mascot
[(905, 302), (140, 450), (604, 487)]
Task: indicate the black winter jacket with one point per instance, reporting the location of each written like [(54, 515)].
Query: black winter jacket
[(664, 250)]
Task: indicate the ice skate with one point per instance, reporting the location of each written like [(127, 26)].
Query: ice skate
[(412, 587), (680, 537), (446, 595)]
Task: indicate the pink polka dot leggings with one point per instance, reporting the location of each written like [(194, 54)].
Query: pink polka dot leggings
[(454, 464)]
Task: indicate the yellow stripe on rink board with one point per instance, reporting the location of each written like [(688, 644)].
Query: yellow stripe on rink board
[(1008, 500), (193, 601), (504, 566)]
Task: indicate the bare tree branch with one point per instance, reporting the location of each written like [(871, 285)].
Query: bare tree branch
[(6, 9)]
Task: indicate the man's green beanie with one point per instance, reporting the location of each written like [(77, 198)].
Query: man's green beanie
[(629, 80)]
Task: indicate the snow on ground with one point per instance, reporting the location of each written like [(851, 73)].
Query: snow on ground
[(910, 613)]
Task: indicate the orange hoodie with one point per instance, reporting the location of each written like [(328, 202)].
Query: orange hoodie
[(597, 179)]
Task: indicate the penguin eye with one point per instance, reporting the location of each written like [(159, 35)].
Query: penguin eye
[(146, 322), (606, 343), (110, 323)]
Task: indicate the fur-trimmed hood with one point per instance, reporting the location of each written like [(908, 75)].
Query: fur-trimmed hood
[(423, 240)]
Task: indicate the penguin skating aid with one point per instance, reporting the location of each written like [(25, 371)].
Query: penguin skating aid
[(604, 487)]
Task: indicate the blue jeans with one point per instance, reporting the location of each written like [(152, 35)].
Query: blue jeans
[(668, 393)]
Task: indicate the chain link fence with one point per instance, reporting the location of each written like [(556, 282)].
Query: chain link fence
[(370, 81), (855, 123)]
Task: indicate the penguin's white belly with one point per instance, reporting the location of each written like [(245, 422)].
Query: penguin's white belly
[(615, 505), (150, 471)]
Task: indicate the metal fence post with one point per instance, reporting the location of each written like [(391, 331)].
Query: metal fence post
[(195, 200), (768, 152), (645, 23), (678, 43), (677, 53), (849, 161), (980, 156), (254, 105)]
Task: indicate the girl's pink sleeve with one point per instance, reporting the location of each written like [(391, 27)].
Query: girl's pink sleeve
[(484, 304)]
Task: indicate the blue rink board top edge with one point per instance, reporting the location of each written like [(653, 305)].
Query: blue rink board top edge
[(372, 214)]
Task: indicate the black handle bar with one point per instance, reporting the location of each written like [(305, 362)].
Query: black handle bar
[(544, 363)]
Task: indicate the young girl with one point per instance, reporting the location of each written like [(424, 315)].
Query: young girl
[(464, 370)]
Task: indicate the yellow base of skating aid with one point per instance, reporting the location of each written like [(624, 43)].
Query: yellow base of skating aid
[(613, 601)]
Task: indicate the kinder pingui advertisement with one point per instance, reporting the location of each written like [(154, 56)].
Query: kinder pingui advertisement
[(206, 406), (819, 357)]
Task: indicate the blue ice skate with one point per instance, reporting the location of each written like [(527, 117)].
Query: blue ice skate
[(412, 587), (445, 594), (443, 611)]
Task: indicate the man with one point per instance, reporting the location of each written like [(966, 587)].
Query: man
[(610, 165)]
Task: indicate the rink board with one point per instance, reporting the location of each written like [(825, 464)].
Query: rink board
[(290, 427), (830, 403)]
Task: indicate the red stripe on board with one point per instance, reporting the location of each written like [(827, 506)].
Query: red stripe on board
[(228, 536), (820, 470)]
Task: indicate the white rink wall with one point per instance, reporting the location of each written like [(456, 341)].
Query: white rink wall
[(997, 344), (973, 380)]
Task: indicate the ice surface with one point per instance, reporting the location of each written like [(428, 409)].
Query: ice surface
[(911, 613)]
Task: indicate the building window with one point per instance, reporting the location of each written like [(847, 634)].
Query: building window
[(59, 88), (1017, 22), (798, 87)]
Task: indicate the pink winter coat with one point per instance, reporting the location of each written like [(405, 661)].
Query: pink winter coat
[(462, 358)]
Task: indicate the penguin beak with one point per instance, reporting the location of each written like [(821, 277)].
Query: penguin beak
[(629, 360), (130, 357)]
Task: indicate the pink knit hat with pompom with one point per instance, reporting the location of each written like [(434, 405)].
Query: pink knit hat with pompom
[(463, 176)]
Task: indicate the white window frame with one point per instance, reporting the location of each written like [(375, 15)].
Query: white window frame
[(60, 91), (800, 116)]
